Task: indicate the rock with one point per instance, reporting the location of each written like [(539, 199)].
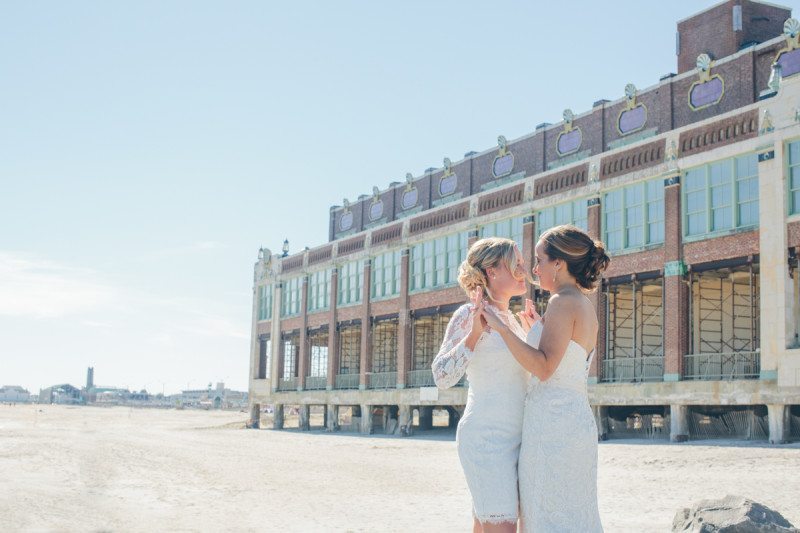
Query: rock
[(731, 514)]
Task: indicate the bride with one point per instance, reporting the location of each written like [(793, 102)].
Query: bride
[(490, 431), (558, 455)]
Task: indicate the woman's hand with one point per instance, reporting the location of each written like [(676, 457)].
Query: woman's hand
[(492, 319), (529, 316), (479, 324)]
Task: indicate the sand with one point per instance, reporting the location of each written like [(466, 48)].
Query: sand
[(123, 469)]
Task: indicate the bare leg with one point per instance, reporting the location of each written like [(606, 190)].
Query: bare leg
[(476, 526), (504, 527)]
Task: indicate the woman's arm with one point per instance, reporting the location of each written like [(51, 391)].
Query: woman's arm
[(544, 361), (460, 339)]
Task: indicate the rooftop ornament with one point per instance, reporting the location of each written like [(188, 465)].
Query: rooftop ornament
[(285, 248)]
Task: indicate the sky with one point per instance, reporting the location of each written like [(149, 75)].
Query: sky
[(148, 149)]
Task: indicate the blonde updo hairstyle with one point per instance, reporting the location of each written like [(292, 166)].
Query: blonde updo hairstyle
[(586, 258), (482, 255)]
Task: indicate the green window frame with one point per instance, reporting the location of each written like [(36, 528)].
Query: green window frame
[(385, 280), (351, 283), (435, 263), (290, 296), (265, 302), (574, 212), (510, 228), (721, 196), (319, 290), (633, 216), (793, 161)]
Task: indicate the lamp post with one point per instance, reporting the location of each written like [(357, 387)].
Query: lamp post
[(285, 247)]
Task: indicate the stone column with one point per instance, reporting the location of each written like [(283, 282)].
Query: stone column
[(332, 421), (255, 416), (528, 247), (593, 214), (333, 332), (404, 419), (304, 412), (601, 420), (676, 291), (303, 366), (277, 416), (366, 419), (776, 313), (276, 370), (678, 423), (404, 350), (425, 417), (779, 423), (366, 327)]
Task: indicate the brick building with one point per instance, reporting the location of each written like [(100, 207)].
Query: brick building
[(694, 186)]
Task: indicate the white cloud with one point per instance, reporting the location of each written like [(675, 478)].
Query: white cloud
[(35, 287)]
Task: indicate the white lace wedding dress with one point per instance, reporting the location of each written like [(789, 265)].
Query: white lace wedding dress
[(489, 433), (558, 457)]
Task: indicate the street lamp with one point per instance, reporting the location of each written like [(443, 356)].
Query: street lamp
[(285, 247)]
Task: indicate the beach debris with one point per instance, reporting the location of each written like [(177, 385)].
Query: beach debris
[(731, 514)]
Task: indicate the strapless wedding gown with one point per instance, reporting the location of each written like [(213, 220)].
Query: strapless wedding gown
[(558, 456), (490, 432)]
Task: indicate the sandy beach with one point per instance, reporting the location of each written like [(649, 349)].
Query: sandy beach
[(124, 469)]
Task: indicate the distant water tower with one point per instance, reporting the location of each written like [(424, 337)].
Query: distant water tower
[(90, 378)]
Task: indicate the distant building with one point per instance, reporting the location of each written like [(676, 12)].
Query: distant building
[(62, 394), (217, 398), (14, 393)]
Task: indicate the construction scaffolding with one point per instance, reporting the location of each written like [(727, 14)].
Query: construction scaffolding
[(724, 323), (318, 363), (634, 331), (384, 354), (349, 357)]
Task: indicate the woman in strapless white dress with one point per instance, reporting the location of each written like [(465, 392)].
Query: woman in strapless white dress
[(558, 455), (490, 431)]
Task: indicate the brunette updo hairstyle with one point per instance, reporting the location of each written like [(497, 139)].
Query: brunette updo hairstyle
[(483, 254), (586, 259)]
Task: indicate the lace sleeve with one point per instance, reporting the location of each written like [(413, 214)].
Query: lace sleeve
[(451, 362)]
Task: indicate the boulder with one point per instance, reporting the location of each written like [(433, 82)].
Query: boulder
[(731, 514)]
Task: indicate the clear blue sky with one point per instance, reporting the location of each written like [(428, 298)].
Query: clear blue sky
[(147, 150)]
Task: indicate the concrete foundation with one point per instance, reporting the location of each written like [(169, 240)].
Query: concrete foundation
[(255, 416), (332, 417), (779, 423), (304, 412), (425, 417), (601, 420), (366, 419), (678, 423)]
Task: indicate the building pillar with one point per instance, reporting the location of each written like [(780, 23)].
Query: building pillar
[(529, 248), (776, 313), (303, 366), (404, 351), (366, 419), (366, 328), (678, 423), (454, 415), (601, 420), (593, 215), (304, 414), (676, 290), (779, 423), (333, 332), (404, 419), (276, 370), (425, 417), (332, 419), (277, 416), (255, 416)]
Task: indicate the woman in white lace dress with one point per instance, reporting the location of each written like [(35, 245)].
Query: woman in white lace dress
[(490, 431), (558, 456)]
